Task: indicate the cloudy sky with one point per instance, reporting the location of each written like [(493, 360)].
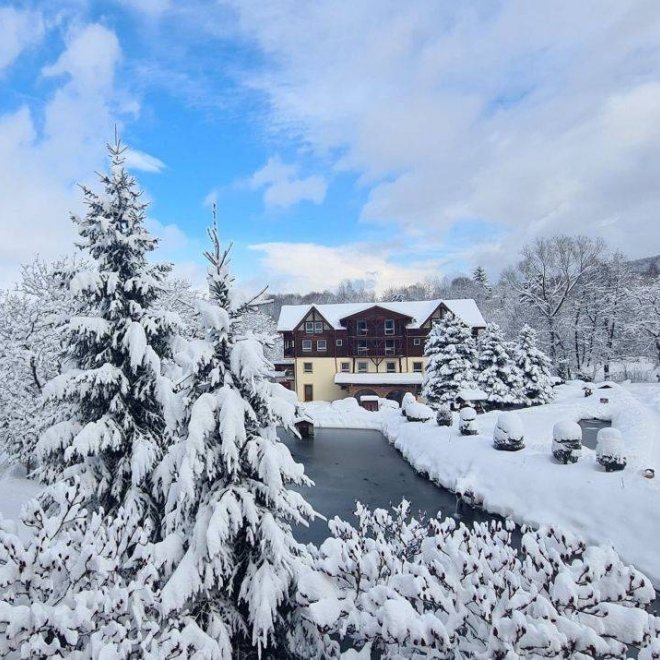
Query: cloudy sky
[(376, 140)]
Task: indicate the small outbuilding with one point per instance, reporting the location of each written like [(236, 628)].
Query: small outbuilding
[(369, 402)]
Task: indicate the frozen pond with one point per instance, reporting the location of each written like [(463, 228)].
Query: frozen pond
[(590, 428), (348, 465)]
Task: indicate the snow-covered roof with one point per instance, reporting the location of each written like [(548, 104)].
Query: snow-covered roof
[(418, 310), (406, 378)]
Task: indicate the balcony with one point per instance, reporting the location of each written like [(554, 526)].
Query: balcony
[(388, 346)]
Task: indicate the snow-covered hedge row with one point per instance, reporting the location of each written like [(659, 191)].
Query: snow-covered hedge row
[(404, 587)]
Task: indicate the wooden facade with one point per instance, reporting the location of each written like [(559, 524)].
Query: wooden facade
[(374, 333)]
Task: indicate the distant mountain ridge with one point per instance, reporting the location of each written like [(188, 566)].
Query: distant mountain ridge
[(650, 265)]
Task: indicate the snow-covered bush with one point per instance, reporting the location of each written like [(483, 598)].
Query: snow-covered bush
[(534, 368), (451, 355), (405, 587), (408, 398), (509, 433), (418, 412), (498, 374), (66, 589), (348, 405), (467, 423), (444, 416), (567, 441), (387, 404), (610, 451)]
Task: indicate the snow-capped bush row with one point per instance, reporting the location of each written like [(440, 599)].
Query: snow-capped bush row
[(415, 587)]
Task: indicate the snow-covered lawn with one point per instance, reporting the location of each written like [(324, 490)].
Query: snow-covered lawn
[(617, 508)]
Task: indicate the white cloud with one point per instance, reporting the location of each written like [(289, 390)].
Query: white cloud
[(304, 267), (284, 188), (42, 160), (513, 113), (138, 160), (18, 31)]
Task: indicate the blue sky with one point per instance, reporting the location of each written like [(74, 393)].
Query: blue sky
[(379, 141)]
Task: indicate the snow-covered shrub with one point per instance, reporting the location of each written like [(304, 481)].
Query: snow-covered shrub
[(387, 404), (418, 412), (66, 589), (567, 441), (451, 354), (610, 451), (405, 587), (509, 433), (408, 398), (499, 375), (534, 368), (443, 416), (467, 423)]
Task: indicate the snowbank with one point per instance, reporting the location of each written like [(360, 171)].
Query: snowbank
[(618, 508)]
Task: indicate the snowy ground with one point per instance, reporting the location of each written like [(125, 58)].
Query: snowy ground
[(15, 490), (618, 508)]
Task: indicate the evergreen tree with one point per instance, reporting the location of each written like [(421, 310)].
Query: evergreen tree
[(498, 376), (480, 277), (534, 367), (112, 385), (229, 510), (451, 354)]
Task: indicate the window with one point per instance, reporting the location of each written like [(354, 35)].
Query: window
[(389, 347), (309, 327), (321, 345), (318, 327), (339, 342), (307, 344), (362, 346), (345, 367), (389, 327), (417, 367), (362, 367), (308, 367), (391, 367), (417, 341), (362, 327)]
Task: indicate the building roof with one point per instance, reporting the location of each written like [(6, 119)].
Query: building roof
[(417, 310), (406, 378)]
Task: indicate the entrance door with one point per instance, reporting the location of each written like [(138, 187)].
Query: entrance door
[(309, 393)]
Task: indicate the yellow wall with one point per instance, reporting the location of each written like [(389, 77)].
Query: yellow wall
[(323, 373), (322, 378)]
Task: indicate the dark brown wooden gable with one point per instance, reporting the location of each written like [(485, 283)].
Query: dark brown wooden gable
[(438, 313), (314, 315), (375, 312)]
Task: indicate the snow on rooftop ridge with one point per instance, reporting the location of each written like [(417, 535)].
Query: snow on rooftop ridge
[(418, 310)]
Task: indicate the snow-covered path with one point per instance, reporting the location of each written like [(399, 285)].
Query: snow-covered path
[(621, 509)]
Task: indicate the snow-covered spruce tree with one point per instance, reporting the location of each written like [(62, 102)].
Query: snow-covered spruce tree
[(228, 506), (498, 375), (406, 587), (451, 354), (534, 367), (118, 399)]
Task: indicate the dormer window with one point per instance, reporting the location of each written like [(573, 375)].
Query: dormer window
[(362, 327), (389, 327)]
